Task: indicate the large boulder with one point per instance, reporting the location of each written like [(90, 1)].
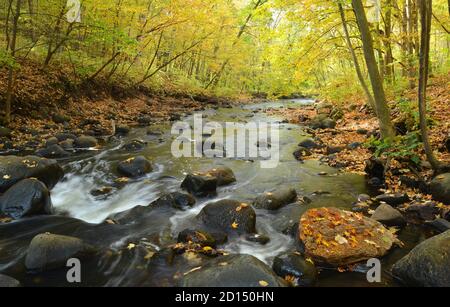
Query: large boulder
[(233, 271), (388, 216), (294, 266), (375, 168), (427, 265), (8, 282), (14, 169), (277, 199), (229, 216), (135, 167), (322, 121), (309, 143), (176, 200), (393, 199), (338, 238), (26, 198), (84, 142), (440, 188), (49, 251), (200, 185)]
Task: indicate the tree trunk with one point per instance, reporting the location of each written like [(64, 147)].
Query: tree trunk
[(383, 112), (426, 14), (11, 70), (359, 73)]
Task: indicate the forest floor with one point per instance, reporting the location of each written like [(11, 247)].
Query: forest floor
[(358, 123)]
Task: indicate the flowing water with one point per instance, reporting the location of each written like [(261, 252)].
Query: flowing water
[(94, 170)]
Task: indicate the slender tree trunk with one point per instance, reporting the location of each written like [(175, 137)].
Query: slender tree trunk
[(383, 112), (388, 60), (359, 73), (11, 70), (425, 16)]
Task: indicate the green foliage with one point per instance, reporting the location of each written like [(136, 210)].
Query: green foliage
[(400, 147)]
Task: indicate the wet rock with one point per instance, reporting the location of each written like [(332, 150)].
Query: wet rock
[(354, 146), (301, 152), (52, 152), (338, 238), (331, 150), (277, 199), (233, 271), (65, 136), (51, 141), (393, 199), (144, 120), (294, 265), (419, 212), (224, 175), (67, 145), (229, 216), (200, 186), (388, 216), (60, 118), (362, 131), (447, 143), (175, 200), (427, 265), (309, 144), (134, 145), (84, 142), (5, 132), (439, 225), (122, 130), (375, 168), (102, 192), (49, 251), (199, 237), (257, 238), (135, 167), (26, 198), (14, 169), (440, 188), (8, 282)]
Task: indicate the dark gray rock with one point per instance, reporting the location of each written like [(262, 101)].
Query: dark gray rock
[(440, 225), (420, 212), (200, 185), (84, 142), (176, 200), (394, 200), (135, 167), (51, 141), (294, 265), (440, 188), (67, 145), (233, 271), (224, 175), (277, 199), (26, 198), (199, 237), (257, 238), (301, 152), (122, 130), (427, 265), (65, 136), (14, 169), (52, 152), (229, 216), (375, 168), (50, 251), (60, 118), (134, 145), (388, 216), (5, 132), (309, 143)]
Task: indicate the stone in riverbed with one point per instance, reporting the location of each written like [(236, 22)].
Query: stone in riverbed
[(419, 212), (134, 145), (5, 132), (200, 186), (8, 282), (84, 142), (51, 141), (176, 200), (65, 136), (277, 199), (14, 169), (440, 188), (393, 199), (375, 168), (427, 265), (309, 143), (200, 237), (233, 271), (257, 238), (52, 152), (229, 216), (439, 225), (49, 251), (301, 152), (135, 167), (26, 198), (388, 216), (224, 175), (335, 237), (294, 265)]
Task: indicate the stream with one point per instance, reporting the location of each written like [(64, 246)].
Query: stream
[(73, 201)]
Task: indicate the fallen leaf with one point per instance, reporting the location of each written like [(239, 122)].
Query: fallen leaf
[(263, 283), (235, 225)]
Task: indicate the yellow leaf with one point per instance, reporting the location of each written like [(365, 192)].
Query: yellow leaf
[(235, 225), (6, 177), (131, 246), (263, 283)]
